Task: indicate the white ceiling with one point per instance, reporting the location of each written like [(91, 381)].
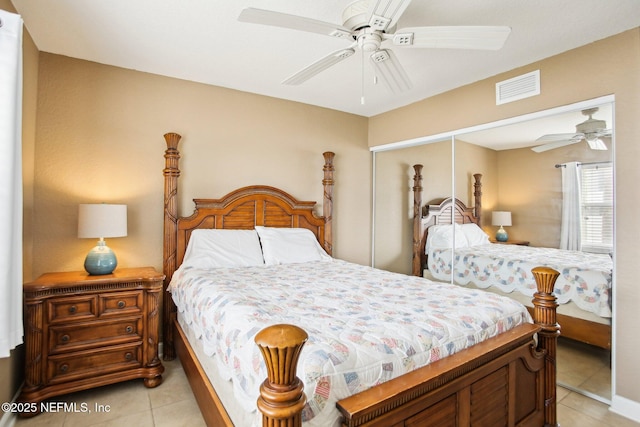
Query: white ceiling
[(524, 133), (202, 41)]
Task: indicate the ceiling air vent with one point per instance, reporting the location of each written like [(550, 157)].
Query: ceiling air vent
[(519, 87)]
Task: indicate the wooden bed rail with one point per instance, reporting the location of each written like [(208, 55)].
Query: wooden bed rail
[(282, 399)]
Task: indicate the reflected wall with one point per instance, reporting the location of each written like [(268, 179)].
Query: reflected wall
[(393, 198)]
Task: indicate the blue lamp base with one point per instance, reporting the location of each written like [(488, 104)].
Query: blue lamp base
[(100, 260), (501, 235)]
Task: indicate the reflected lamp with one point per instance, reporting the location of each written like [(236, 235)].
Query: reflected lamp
[(501, 219), (100, 221)]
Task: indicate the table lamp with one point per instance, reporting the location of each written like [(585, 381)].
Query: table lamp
[(101, 220), (501, 219)]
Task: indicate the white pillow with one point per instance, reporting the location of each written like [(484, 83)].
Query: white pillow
[(442, 237), (475, 235), (289, 245), (218, 248)]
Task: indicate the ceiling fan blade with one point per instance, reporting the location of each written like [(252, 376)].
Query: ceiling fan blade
[(384, 14), (604, 132), (284, 20), (471, 37), (319, 66), (561, 137), (390, 71), (552, 145)]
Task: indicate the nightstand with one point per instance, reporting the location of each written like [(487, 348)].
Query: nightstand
[(84, 331), (511, 242)]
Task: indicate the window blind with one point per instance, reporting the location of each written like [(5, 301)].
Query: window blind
[(597, 207)]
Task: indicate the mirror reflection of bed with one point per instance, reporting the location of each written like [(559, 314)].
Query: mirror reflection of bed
[(517, 180)]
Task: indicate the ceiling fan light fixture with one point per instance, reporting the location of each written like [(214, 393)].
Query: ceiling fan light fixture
[(355, 14), (369, 41), (596, 143)]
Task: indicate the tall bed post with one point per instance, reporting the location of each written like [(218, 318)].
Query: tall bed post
[(477, 197), (417, 263), (327, 203), (171, 173), (544, 315), (281, 395)]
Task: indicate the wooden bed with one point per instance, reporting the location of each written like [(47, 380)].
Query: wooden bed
[(505, 380), (594, 333)]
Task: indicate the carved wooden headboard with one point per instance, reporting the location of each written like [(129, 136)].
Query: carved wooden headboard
[(244, 208), (447, 211)]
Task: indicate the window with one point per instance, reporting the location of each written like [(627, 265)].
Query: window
[(596, 204)]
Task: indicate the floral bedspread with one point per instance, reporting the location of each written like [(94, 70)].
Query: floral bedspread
[(585, 278), (365, 326)]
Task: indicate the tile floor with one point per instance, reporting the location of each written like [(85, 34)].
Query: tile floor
[(584, 368), (172, 403)]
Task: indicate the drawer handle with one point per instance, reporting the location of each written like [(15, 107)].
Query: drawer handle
[(128, 356), (64, 368), (73, 309), (65, 338), (121, 304), (128, 329)]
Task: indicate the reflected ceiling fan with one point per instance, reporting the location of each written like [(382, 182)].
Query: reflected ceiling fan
[(591, 130), (370, 25)]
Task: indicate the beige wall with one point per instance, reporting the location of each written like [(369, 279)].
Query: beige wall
[(609, 66), (393, 206), (537, 211), (471, 159), (100, 139)]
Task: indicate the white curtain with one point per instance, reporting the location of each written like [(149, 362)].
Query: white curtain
[(10, 182), (570, 229)]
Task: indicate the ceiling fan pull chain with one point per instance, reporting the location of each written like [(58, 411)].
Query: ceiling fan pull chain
[(362, 79)]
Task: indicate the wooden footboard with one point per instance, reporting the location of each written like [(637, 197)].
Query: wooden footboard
[(507, 380)]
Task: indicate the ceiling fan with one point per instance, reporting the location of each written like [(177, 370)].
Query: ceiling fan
[(591, 130), (370, 24)]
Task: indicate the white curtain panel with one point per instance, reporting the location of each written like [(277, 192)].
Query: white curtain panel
[(11, 331), (570, 229)]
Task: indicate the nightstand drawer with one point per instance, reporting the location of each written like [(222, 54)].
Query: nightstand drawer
[(94, 334), (72, 309), (83, 364), (121, 303)]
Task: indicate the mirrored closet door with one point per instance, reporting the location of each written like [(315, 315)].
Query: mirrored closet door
[(522, 164)]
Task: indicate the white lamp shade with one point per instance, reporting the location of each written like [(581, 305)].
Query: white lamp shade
[(102, 220), (501, 218)]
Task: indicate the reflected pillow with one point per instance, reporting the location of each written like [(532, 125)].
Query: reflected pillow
[(475, 235), (290, 245), (442, 237), (217, 248)]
